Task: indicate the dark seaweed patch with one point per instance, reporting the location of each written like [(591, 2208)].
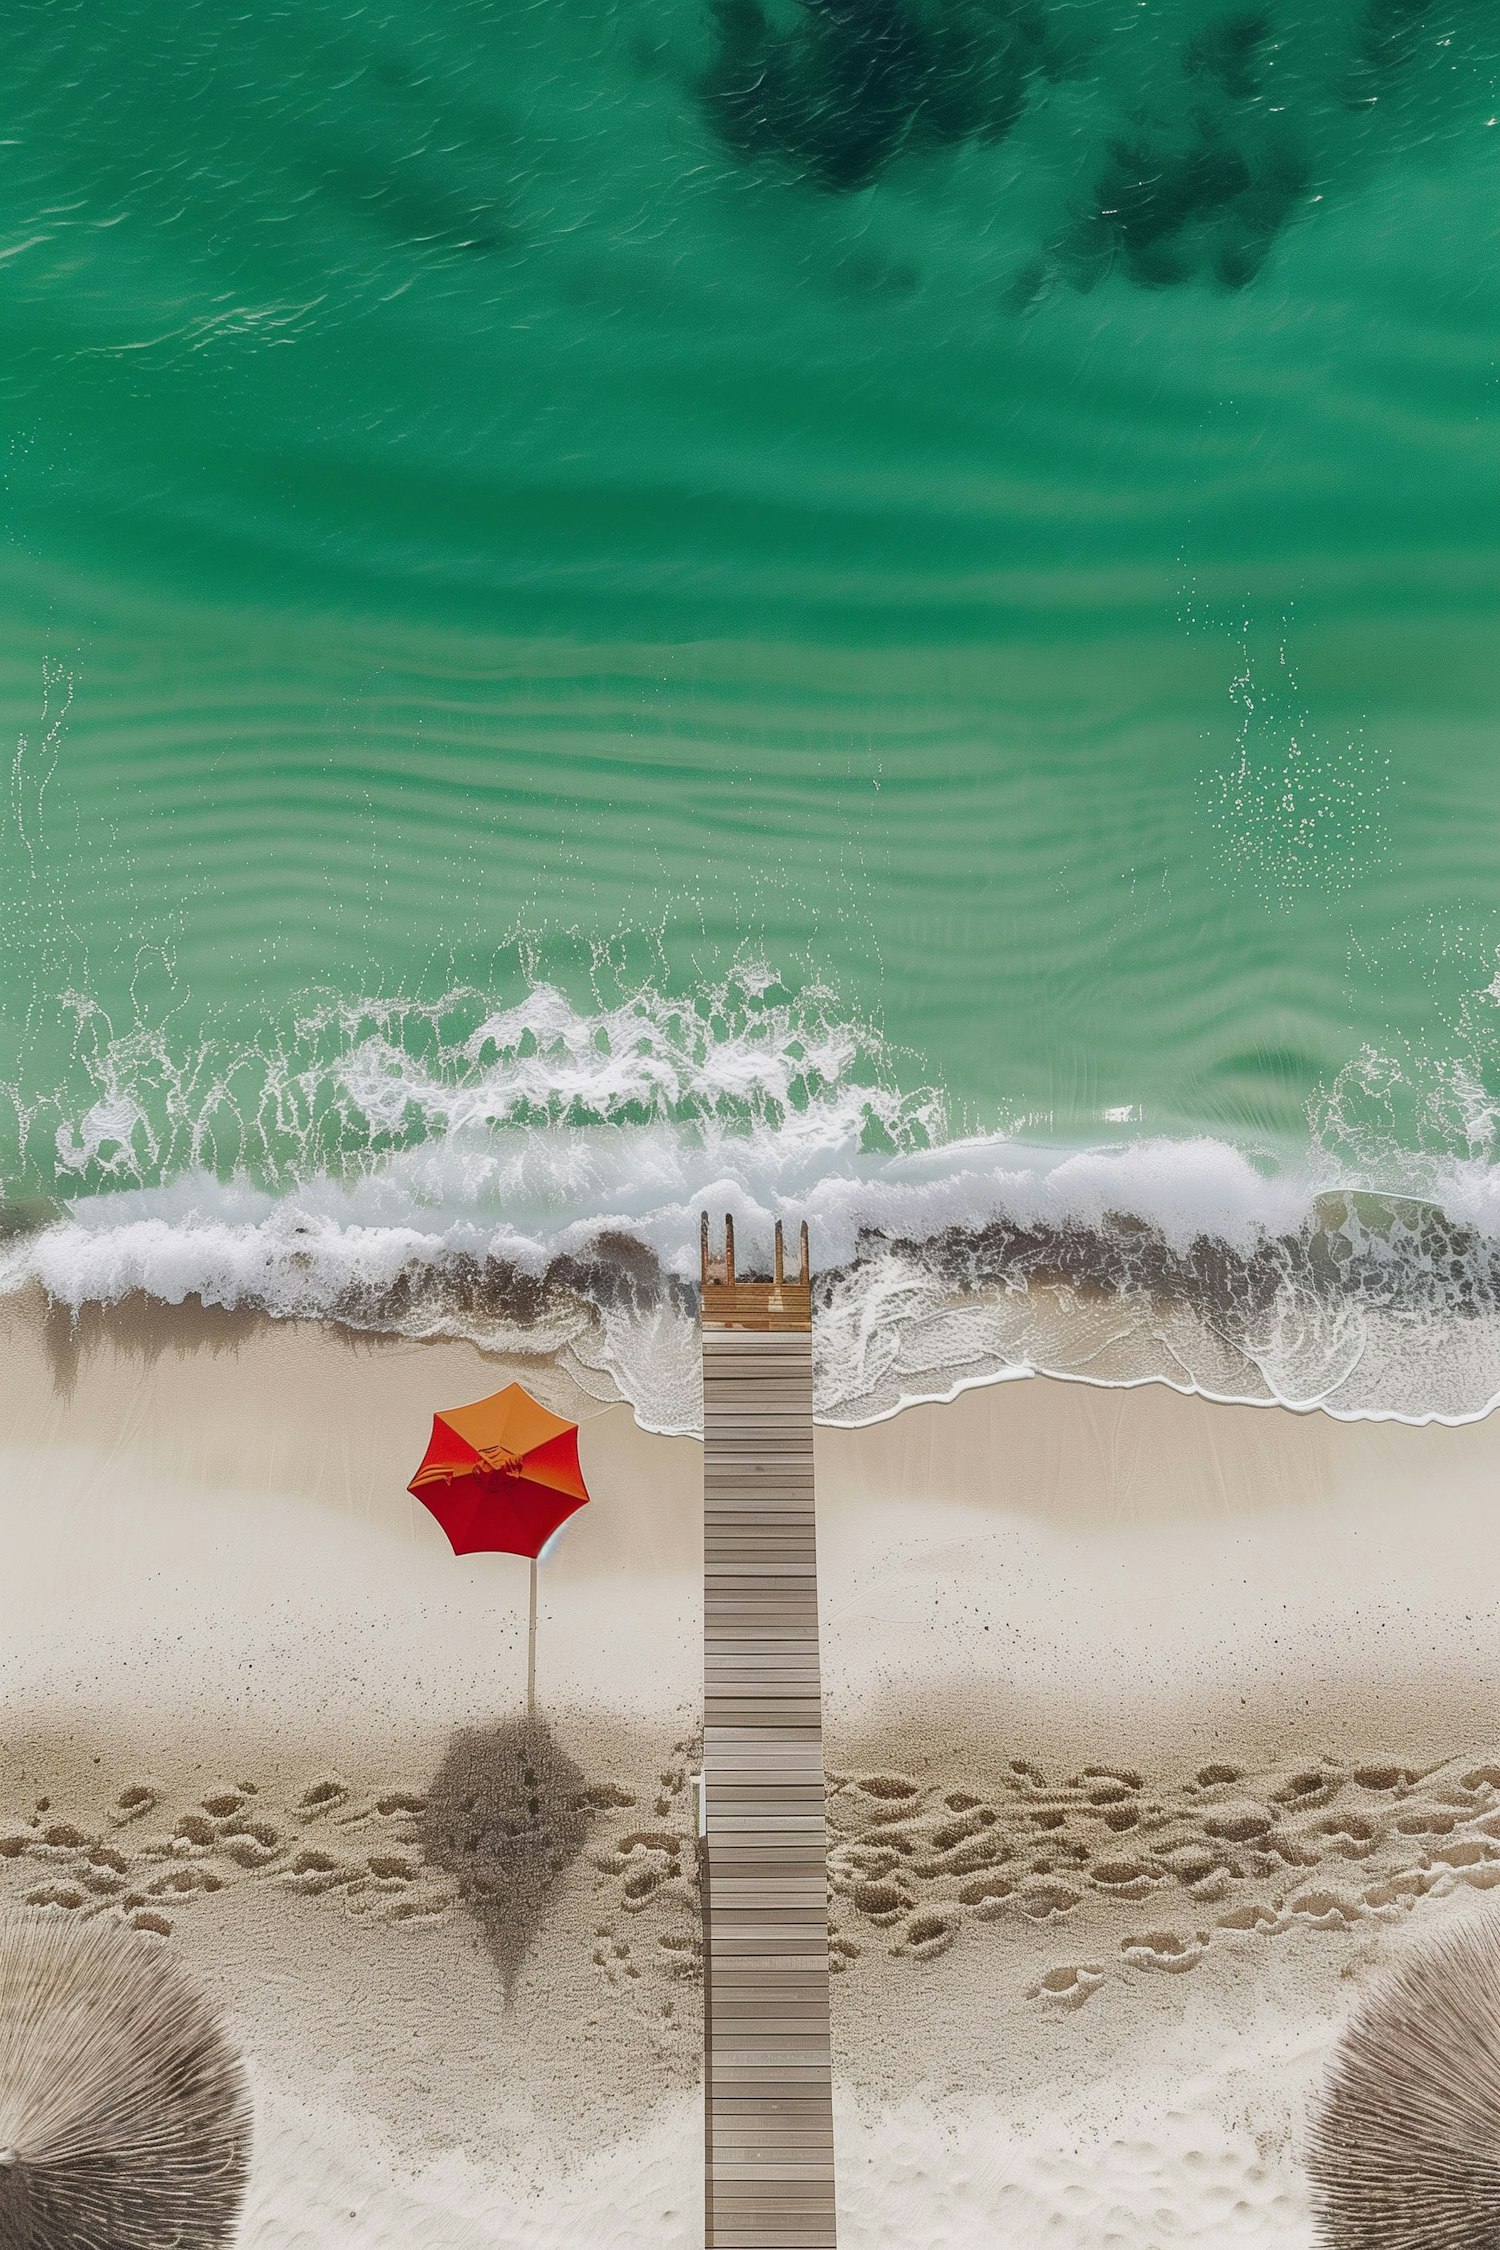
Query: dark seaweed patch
[(420, 208), (1168, 213), (1207, 186), (1391, 34), (1199, 146), (1231, 53), (846, 87)]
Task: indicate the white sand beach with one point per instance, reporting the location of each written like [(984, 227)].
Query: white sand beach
[(1151, 1727)]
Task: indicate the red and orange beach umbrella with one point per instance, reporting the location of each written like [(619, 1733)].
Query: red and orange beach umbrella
[(500, 1476)]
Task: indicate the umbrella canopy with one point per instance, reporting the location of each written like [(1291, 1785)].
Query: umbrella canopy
[(500, 1475)]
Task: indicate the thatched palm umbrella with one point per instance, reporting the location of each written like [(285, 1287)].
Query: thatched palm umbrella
[(1405, 2146), (124, 2109)]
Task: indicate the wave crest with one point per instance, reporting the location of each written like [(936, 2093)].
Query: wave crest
[(349, 1082), (529, 1176)]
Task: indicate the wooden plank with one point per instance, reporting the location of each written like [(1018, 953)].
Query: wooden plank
[(758, 1308), (769, 2102)]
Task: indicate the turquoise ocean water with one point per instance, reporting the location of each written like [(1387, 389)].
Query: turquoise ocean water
[(880, 609)]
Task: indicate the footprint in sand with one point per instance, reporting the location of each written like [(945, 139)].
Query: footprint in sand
[(927, 1935), (1127, 1878), (843, 1951), (913, 1857), (1046, 1902), (1164, 1950), (326, 1795), (1325, 1910), (644, 1862), (134, 1802), (1256, 1918), (988, 1896), (1069, 1985)]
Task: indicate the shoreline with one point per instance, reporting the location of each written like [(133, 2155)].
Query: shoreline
[(1101, 1267)]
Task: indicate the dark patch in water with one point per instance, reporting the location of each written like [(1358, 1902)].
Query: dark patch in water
[(1231, 53), (1208, 137), (1209, 183), (1207, 205), (1391, 35), (420, 209), (848, 86)]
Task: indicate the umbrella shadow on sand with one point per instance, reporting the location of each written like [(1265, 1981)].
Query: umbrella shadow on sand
[(507, 1811)]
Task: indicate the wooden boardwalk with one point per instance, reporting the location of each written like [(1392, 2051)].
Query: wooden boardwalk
[(769, 2108)]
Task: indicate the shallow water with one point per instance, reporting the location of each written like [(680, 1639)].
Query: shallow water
[(886, 580)]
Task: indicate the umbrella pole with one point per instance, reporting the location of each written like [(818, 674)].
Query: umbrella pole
[(531, 1649)]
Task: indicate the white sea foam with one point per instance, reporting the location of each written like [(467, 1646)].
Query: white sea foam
[(417, 1168)]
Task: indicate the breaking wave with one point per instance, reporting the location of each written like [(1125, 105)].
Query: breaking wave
[(530, 1177)]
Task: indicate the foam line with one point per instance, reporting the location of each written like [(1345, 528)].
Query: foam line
[(531, 1177)]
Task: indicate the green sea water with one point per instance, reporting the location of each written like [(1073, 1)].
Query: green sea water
[(987, 509)]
